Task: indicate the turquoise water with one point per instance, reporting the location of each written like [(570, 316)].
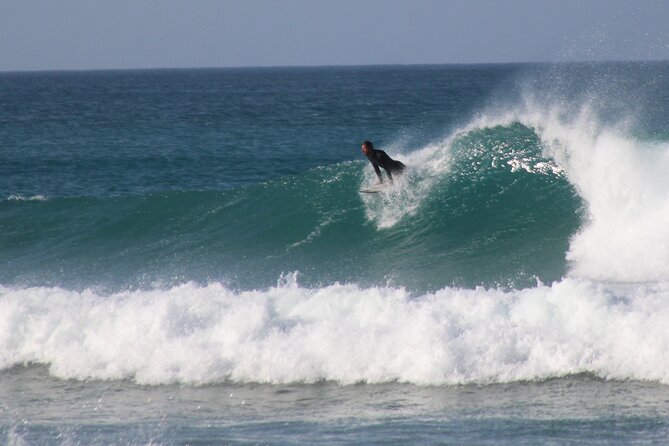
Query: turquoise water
[(238, 176), (201, 232)]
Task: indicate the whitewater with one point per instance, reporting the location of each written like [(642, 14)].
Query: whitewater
[(341, 333)]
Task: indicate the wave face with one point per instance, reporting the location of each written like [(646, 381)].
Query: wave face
[(528, 240), (484, 207)]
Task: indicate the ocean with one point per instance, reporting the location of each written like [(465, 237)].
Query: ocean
[(186, 256)]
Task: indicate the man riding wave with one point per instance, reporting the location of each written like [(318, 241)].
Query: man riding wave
[(379, 158)]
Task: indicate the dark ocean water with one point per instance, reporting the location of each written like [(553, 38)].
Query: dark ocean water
[(165, 229)]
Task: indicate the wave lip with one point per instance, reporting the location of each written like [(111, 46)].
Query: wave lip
[(342, 333), (618, 173)]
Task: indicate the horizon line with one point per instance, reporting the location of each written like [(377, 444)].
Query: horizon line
[(259, 67)]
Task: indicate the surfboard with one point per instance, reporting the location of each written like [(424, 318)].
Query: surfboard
[(375, 189)]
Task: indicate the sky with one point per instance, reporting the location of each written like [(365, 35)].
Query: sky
[(97, 34)]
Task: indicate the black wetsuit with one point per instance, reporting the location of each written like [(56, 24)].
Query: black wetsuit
[(379, 158)]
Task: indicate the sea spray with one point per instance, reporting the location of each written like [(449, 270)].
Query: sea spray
[(622, 181)]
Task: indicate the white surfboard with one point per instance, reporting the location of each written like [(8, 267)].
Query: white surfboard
[(375, 189)]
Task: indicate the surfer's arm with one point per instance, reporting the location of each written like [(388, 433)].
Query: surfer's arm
[(378, 172), (390, 176)]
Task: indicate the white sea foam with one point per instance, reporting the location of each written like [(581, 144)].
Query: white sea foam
[(625, 186), (16, 197), (344, 333)]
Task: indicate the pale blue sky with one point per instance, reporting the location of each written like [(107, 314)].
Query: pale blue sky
[(84, 34)]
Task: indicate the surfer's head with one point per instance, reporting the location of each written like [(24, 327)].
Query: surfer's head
[(367, 147)]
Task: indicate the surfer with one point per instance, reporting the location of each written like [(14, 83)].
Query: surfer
[(381, 158)]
